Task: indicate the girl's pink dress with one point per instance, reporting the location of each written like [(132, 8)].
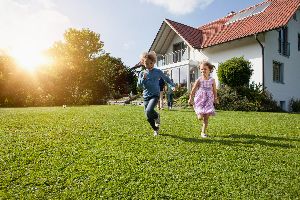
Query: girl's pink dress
[(204, 98)]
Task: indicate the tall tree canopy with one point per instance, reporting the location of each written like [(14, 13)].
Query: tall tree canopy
[(83, 73)]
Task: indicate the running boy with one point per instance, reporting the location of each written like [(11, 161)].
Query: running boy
[(148, 80)]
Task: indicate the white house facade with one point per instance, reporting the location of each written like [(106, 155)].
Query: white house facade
[(269, 39)]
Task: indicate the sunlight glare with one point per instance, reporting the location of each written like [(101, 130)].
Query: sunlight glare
[(30, 60)]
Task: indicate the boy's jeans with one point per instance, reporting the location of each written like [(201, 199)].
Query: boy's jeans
[(151, 114)]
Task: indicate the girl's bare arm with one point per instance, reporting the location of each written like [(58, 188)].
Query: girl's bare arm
[(194, 89)]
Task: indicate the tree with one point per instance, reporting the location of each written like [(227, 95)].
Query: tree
[(83, 73), (15, 84), (75, 64), (117, 77)]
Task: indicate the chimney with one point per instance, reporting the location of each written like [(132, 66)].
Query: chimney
[(231, 13)]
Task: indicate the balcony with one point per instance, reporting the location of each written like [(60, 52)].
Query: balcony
[(174, 57)]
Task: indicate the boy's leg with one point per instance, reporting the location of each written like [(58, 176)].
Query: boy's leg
[(151, 113)]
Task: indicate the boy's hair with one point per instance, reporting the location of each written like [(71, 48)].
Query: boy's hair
[(149, 55), (208, 64)]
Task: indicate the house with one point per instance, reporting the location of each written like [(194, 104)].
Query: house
[(266, 34)]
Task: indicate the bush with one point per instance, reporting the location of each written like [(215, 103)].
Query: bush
[(294, 105), (235, 72), (179, 92), (251, 98), (182, 101)]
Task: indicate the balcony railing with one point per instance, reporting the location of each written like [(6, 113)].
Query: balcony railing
[(284, 48), (174, 57)]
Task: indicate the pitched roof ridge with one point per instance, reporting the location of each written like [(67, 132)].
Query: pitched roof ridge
[(215, 21)]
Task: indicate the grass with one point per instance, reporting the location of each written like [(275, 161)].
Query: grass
[(109, 152)]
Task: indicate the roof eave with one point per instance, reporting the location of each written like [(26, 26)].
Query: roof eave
[(160, 28)]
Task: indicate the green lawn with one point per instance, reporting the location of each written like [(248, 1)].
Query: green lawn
[(109, 152)]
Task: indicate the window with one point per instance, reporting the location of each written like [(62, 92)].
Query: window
[(175, 75), (282, 105), (193, 74), (298, 41), (178, 51), (277, 72), (283, 45), (295, 17)]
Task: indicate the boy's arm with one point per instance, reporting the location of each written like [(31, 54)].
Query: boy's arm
[(167, 79), (141, 79)]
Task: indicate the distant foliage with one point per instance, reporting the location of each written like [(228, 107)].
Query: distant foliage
[(294, 105), (235, 72)]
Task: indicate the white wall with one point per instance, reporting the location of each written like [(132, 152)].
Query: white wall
[(291, 73), (247, 47)]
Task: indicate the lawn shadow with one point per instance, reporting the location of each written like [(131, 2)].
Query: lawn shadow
[(251, 140), (253, 136)]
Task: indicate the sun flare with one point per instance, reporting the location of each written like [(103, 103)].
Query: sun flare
[(30, 60)]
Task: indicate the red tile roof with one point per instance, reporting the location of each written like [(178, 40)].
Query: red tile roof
[(276, 15)]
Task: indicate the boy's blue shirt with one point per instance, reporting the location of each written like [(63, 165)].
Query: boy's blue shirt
[(150, 85)]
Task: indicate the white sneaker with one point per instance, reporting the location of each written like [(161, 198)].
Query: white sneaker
[(203, 135), (157, 121), (155, 133)]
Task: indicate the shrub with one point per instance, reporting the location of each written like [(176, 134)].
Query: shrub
[(235, 72), (251, 98), (179, 92), (294, 105), (182, 101)]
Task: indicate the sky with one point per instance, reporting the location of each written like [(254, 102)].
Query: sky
[(127, 27)]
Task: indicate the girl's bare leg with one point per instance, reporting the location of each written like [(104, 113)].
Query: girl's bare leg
[(205, 125), (200, 117)]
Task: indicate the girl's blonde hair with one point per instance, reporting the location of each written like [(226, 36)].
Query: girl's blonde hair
[(210, 66), (149, 55)]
